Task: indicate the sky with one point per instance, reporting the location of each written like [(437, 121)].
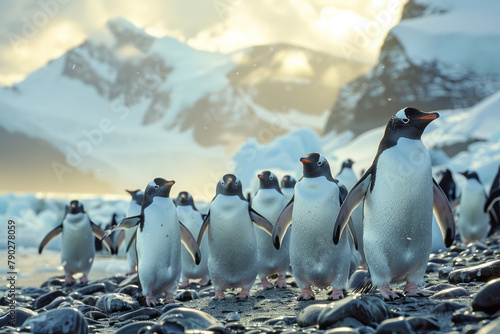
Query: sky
[(34, 32)]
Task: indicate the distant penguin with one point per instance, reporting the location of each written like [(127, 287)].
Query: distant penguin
[(269, 201), (158, 242), (346, 175), (448, 185), (233, 261), (287, 186), (399, 195), (472, 220), (315, 260), (77, 246), (193, 220), (494, 210), (133, 209)]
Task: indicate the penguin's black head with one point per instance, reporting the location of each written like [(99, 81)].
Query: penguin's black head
[(288, 182), (137, 195), (158, 188), (409, 123), (347, 164), (75, 207), (470, 175), (184, 199), (230, 185), (268, 180), (315, 165)]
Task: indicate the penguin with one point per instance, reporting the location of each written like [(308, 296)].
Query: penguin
[(158, 242), (348, 178), (494, 211), (315, 260), (192, 219), (399, 196), (77, 246), (472, 221), (127, 235), (269, 201), (448, 186), (287, 185), (233, 261)]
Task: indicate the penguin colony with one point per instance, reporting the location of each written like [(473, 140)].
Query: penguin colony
[(297, 228)]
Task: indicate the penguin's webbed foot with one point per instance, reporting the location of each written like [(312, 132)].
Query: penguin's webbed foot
[(150, 300), (184, 284), (266, 285), (69, 280), (281, 282), (219, 295), (306, 294), (244, 293), (204, 282), (336, 294), (84, 279), (387, 293), (412, 290)]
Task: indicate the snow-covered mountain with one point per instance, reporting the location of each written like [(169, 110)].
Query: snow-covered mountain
[(126, 106), (442, 55)]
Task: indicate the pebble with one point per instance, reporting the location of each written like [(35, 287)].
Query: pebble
[(113, 302), (396, 325), (92, 288), (20, 314), (309, 315), (232, 316), (189, 318), (488, 298), (451, 293), (446, 307), (186, 295), (483, 273), (47, 298), (150, 312), (131, 290), (134, 328), (356, 278), (64, 321)]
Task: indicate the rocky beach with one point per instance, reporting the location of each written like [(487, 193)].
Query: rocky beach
[(464, 281)]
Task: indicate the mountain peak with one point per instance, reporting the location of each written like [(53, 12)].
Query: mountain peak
[(127, 33)]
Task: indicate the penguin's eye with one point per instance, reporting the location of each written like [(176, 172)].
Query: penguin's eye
[(157, 186), (320, 163), (271, 178), (222, 183), (405, 120)]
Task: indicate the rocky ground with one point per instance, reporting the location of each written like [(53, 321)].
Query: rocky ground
[(462, 303)]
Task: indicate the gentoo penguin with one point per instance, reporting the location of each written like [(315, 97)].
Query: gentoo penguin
[(448, 186), (494, 211), (233, 261), (192, 219), (77, 247), (472, 221), (287, 185), (348, 178), (133, 209), (399, 194), (315, 260), (158, 242), (269, 201)]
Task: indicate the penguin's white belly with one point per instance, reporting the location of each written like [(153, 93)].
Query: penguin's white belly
[(288, 193), (233, 260), (193, 221), (397, 227), (314, 258), (269, 203), (133, 210), (159, 248), (473, 221), (77, 244)]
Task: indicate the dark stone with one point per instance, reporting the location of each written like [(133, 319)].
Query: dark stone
[(189, 318), (232, 316), (54, 282), (96, 315), (440, 287), (169, 307), (64, 321), (309, 315), (444, 272), (76, 295), (47, 298), (364, 308), (113, 302), (447, 307), (488, 298), (423, 324), (34, 292), (92, 288), (461, 316), (286, 320), (134, 328), (58, 301), (145, 311), (20, 314), (167, 328), (130, 290), (87, 308), (451, 293), (89, 300), (396, 325), (357, 278), (186, 295), (432, 267), (482, 273)]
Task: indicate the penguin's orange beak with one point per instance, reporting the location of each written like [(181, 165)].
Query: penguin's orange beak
[(229, 181), (169, 183), (260, 176), (305, 161), (429, 117)]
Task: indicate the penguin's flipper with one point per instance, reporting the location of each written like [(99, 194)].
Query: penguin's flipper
[(494, 197), (48, 238), (119, 240), (352, 200), (203, 228), (342, 196), (190, 243), (126, 223), (107, 241), (261, 221), (132, 239), (444, 215), (282, 223)]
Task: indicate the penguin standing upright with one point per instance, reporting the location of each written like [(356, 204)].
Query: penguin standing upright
[(399, 195), (287, 186), (472, 220), (315, 260), (193, 220), (158, 242), (448, 186), (77, 247), (134, 209), (269, 201), (233, 261)]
